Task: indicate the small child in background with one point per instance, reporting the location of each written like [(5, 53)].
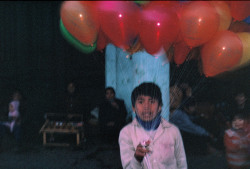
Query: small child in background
[(13, 124), (237, 143), (13, 115)]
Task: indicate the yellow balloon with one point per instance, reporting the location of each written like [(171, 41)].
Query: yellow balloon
[(223, 10), (245, 59)]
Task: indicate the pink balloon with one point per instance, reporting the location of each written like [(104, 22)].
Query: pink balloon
[(221, 53)]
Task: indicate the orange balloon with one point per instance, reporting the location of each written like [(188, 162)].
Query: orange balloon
[(221, 53), (240, 9), (199, 21), (223, 10), (80, 20)]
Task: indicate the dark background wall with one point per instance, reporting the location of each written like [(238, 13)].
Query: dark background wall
[(35, 59)]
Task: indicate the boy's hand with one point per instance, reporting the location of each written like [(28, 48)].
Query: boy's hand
[(141, 151)]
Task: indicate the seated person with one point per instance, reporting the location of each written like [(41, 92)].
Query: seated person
[(72, 101), (112, 115), (14, 123), (191, 132)]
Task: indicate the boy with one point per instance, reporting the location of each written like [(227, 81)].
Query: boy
[(149, 141)]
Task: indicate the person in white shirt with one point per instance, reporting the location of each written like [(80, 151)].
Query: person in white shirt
[(149, 141)]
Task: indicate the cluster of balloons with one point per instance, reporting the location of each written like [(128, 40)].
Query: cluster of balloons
[(157, 25)]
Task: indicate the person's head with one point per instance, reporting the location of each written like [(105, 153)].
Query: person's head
[(240, 98), (190, 106), (175, 96), (238, 121), (146, 101), (109, 93), (71, 88), (16, 96), (186, 89), (13, 106)]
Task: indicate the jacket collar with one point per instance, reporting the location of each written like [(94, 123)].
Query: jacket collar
[(164, 123)]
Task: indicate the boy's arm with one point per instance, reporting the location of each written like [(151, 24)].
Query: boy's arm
[(180, 154), (127, 151)]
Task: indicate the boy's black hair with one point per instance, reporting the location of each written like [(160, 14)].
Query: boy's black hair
[(110, 88), (147, 89), (239, 116)]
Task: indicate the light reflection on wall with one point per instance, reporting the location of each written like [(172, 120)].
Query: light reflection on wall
[(124, 72)]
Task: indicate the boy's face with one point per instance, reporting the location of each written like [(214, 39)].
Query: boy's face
[(146, 107), (238, 123)]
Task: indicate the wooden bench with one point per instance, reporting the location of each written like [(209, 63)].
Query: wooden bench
[(62, 124)]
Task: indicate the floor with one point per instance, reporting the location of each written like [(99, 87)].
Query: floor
[(92, 155)]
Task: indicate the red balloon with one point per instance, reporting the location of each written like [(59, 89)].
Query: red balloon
[(240, 9), (80, 20), (159, 25), (118, 21), (199, 21), (102, 41), (181, 51), (221, 53)]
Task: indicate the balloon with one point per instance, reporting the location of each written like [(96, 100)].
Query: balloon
[(118, 21), (223, 10), (77, 44), (221, 53), (80, 20), (181, 51), (199, 22), (170, 53), (245, 59), (240, 9), (159, 25), (102, 40)]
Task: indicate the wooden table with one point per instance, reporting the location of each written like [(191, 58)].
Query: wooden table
[(62, 127)]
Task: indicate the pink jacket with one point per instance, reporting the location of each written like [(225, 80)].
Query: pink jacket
[(167, 147)]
